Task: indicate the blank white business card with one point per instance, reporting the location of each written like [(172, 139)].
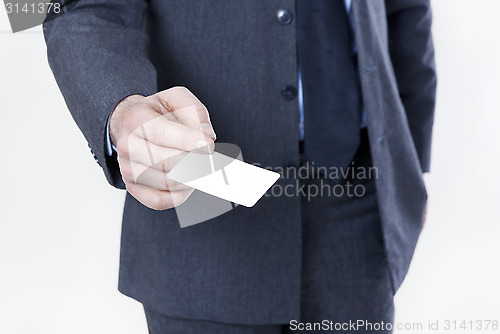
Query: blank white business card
[(224, 177)]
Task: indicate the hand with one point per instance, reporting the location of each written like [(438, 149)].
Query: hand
[(151, 135)]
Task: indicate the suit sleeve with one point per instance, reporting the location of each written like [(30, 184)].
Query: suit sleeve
[(412, 54), (98, 53)]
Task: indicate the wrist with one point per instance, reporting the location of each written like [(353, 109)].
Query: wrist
[(115, 119)]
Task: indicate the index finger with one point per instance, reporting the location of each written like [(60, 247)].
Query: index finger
[(187, 109)]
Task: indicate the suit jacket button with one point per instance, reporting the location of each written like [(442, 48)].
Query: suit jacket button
[(289, 93), (284, 16)]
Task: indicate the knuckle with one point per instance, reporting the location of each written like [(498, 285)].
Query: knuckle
[(122, 147), (161, 202), (165, 165), (132, 190), (180, 90), (126, 171), (155, 204), (203, 116), (160, 156), (203, 112), (157, 134), (165, 181), (152, 201)]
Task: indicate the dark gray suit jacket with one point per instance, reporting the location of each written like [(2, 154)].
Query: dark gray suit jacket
[(244, 266)]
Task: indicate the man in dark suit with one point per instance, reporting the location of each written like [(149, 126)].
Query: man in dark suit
[(292, 83)]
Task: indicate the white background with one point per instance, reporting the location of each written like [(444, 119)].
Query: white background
[(60, 221)]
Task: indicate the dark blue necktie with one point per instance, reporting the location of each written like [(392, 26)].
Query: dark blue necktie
[(332, 99)]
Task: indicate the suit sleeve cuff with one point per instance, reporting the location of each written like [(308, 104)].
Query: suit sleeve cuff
[(110, 148)]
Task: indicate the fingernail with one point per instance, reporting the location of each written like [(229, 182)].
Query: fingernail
[(201, 143), (206, 128), (204, 146)]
